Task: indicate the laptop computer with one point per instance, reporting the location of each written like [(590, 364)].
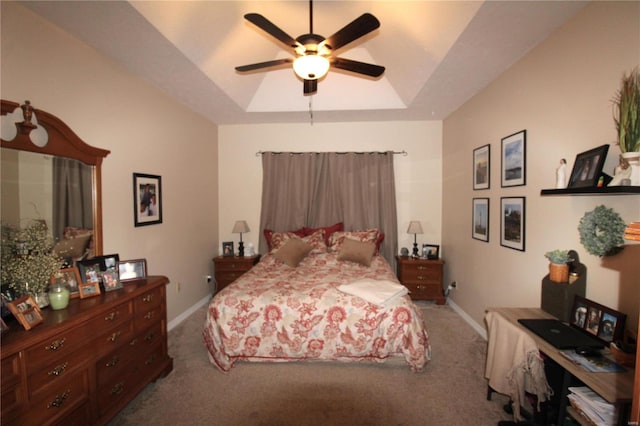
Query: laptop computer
[(561, 335)]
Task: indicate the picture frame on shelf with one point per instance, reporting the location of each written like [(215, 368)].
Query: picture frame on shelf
[(482, 167), (587, 168), (89, 289), (26, 311), (227, 248), (132, 269), (431, 251), (480, 219), (147, 199), (604, 323), (71, 277), (514, 155), (512, 222)]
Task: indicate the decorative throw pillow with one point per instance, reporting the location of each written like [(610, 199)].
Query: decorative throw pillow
[(268, 235), (357, 251), (316, 241), (292, 252), (328, 230), (367, 235), (73, 247)]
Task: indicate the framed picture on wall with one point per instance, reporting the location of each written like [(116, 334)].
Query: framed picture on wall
[(512, 222), (147, 199), (513, 167), (481, 167), (480, 221)]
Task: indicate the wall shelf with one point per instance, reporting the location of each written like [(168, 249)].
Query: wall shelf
[(610, 190)]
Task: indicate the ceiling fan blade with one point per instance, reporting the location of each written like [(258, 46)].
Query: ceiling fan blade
[(310, 87), (270, 28), (358, 67), (352, 31), (262, 65)]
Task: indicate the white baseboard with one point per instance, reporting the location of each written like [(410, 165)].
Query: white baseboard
[(477, 327), (186, 314)]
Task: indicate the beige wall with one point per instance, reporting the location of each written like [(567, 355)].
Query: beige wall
[(145, 131), (561, 94), (418, 175)]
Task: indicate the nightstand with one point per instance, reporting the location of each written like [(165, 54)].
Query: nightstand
[(229, 268), (423, 278)]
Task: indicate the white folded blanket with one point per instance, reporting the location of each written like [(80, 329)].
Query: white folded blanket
[(378, 292)]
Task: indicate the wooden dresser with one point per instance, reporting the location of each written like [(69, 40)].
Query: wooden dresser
[(423, 278), (86, 362), (229, 268)]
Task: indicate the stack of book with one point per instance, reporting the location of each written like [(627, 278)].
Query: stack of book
[(595, 409), (632, 232)]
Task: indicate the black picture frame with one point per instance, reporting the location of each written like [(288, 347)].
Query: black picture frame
[(480, 219), (132, 269), (227, 248), (588, 167), (89, 270), (482, 167), (111, 280), (147, 199), (431, 251), (514, 159), (512, 222), (604, 323)]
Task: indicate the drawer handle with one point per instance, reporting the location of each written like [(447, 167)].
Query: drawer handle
[(117, 389), (150, 360), (113, 337), (111, 316), (149, 315), (59, 400), (421, 287), (133, 342), (114, 361), (58, 370), (148, 298), (422, 277), (55, 345), (149, 337), (422, 268)]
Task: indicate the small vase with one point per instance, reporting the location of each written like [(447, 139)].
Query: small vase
[(42, 299), (633, 158), (559, 272)]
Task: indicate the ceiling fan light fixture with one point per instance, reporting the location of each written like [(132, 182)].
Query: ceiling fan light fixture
[(311, 67)]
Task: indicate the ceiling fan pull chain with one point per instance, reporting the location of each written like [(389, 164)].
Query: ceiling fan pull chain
[(310, 110)]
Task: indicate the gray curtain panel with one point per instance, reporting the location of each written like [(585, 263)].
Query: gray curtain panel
[(320, 189), (72, 195)]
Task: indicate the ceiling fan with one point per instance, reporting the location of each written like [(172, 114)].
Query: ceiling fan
[(314, 53)]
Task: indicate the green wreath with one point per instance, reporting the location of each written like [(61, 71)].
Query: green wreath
[(602, 231)]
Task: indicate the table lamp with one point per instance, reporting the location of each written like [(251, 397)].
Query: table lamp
[(415, 228), (239, 228)]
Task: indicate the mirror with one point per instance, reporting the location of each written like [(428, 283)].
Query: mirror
[(38, 149)]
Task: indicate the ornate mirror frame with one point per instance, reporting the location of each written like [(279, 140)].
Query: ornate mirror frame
[(62, 142)]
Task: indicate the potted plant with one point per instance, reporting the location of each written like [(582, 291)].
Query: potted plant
[(28, 260), (559, 265), (626, 116)]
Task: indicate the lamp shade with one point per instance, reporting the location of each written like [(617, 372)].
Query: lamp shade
[(414, 227), (311, 67), (240, 227)]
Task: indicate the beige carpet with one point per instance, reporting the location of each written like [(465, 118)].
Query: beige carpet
[(451, 390)]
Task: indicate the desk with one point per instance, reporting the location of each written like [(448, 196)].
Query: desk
[(615, 388)]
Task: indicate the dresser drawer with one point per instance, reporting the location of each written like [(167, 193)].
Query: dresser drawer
[(223, 279), (234, 265), (424, 291), (13, 397), (56, 372), (60, 400), (117, 363), (149, 300), (421, 273)]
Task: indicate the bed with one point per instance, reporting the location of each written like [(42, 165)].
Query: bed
[(298, 303)]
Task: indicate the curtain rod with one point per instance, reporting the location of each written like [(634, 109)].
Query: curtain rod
[(403, 152)]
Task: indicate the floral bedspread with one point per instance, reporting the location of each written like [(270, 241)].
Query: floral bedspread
[(278, 313)]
